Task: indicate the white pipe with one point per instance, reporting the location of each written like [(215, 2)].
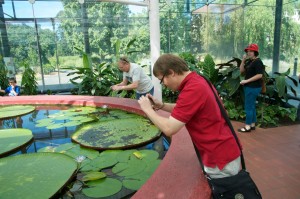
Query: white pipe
[(145, 3), (155, 43)]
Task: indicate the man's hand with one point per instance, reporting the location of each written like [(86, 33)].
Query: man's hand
[(145, 104), (156, 104), (116, 87)]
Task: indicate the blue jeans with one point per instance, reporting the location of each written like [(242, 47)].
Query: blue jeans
[(138, 95), (250, 102)]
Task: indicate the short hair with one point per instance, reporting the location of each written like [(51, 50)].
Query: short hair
[(168, 61), (124, 60), (12, 79), (256, 53)]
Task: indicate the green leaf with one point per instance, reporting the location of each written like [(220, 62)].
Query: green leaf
[(125, 156), (117, 48), (209, 68), (129, 168), (130, 43), (280, 85), (134, 184), (233, 86), (13, 111), (24, 176), (55, 126), (11, 139), (236, 73), (149, 155), (102, 188), (116, 134), (93, 176)]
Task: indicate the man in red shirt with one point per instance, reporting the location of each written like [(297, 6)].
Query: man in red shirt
[(197, 109)]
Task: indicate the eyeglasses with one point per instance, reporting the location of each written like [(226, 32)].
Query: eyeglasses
[(162, 79)]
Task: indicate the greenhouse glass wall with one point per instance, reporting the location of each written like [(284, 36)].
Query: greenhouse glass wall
[(51, 36)]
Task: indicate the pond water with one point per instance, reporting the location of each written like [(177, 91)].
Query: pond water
[(43, 136), (48, 134)]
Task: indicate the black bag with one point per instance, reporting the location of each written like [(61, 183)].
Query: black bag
[(239, 186)]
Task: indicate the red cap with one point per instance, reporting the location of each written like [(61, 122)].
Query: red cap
[(252, 47)]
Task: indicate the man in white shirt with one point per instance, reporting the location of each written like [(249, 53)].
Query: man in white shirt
[(135, 75)]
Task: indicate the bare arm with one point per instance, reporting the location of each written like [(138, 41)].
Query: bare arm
[(131, 86), (252, 79), (118, 87), (123, 83)]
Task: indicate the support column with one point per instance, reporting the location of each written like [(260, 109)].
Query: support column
[(155, 43), (277, 32), (85, 29), (6, 47), (39, 49)]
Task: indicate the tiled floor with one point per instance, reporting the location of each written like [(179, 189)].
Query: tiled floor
[(273, 159)]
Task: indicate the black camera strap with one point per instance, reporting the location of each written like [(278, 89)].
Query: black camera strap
[(225, 116)]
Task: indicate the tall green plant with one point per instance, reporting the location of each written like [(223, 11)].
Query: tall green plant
[(93, 79), (29, 81), (208, 68), (282, 87)]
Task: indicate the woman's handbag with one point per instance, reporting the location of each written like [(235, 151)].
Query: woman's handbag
[(239, 186)]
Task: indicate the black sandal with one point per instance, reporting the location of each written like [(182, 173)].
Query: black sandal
[(252, 127), (244, 130)]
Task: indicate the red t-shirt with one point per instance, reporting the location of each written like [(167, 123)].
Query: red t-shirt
[(197, 107)]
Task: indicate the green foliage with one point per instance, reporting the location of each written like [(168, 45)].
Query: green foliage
[(93, 79), (98, 79), (24, 176), (282, 87), (270, 115), (208, 68), (48, 68), (29, 83), (276, 94), (234, 112), (70, 117), (11, 139), (13, 111), (116, 134), (104, 174)]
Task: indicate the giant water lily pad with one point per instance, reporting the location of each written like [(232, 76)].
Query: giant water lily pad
[(104, 160), (134, 182), (13, 111), (12, 140), (116, 134), (35, 175), (103, 188), (67, 118)]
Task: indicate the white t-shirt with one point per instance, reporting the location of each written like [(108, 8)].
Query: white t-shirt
[(136, 73)]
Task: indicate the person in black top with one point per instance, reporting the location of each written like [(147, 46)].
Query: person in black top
[(253, 68)]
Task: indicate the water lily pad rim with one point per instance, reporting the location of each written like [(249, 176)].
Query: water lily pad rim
[(18, 148), (9, 117), (133, 146)]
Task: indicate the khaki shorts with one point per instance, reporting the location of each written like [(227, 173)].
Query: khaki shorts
[(230, 169)]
